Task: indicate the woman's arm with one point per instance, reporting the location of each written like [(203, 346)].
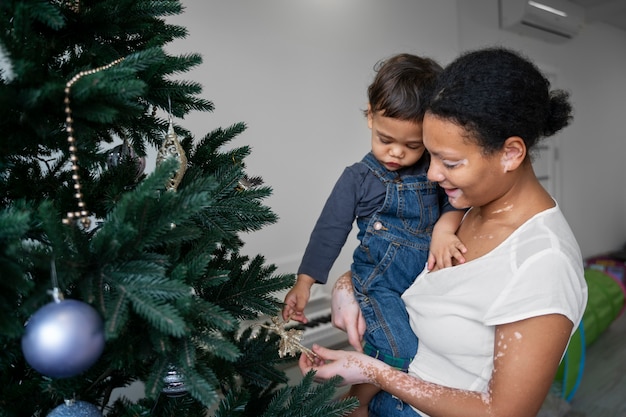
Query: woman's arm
[(345, 311), (526, 356)]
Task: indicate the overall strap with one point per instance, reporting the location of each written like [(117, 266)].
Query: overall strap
[(379, 170)]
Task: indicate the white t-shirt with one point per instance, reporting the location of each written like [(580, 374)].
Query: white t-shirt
[(537, 270)]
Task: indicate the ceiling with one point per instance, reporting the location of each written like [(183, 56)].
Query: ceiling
[(612, 12)]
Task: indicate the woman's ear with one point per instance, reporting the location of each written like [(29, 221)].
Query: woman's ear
[(513, 153)]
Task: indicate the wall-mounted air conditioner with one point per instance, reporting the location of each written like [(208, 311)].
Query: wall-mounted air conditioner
[(550, 20)]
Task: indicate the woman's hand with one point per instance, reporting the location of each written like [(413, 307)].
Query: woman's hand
[(345, 311), (353, 367)]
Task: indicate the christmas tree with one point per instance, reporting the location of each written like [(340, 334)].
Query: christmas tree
[(113, 271)]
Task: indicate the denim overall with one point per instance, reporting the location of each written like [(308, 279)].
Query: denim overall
[(386, 405), (393, 251)]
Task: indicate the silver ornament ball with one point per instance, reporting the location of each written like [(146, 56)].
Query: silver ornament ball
[(115, 156), (75, 409), (63, 338), (174, 383)]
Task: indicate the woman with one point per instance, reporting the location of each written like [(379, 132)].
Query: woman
[(492, 330)]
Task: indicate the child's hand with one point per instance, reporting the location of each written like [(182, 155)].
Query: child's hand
[(297, 298), (445, 250)]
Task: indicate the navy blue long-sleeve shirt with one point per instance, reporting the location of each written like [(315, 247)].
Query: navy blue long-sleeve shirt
[(357, 193)]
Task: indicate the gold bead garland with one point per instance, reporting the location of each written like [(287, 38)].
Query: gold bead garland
[(81, 214)]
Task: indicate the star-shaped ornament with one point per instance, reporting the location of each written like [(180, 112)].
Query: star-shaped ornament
[(289, 339)]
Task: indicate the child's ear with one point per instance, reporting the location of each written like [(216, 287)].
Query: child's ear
[(513, 153), (369, 116)]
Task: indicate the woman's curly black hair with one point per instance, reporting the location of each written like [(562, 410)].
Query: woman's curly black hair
[(496, 93)]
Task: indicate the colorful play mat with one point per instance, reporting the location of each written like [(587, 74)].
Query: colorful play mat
[(607, 300)]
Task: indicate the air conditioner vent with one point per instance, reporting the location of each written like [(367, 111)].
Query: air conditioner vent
[(550, 20), (552, 31)]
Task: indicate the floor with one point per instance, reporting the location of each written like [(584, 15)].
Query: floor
[(602, 391)]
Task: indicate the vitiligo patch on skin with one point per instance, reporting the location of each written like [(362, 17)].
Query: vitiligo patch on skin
[(483, 237), (506, 164), (508, 207), (343, 282)]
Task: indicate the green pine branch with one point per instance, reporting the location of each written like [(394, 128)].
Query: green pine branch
[(162, 267), (309, 400)]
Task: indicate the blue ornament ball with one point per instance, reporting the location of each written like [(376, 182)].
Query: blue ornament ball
[(63, 339), (75, 409)]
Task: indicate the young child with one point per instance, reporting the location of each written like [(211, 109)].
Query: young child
[(398, 212)]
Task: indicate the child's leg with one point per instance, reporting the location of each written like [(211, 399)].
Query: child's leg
[(377, 344), (364, 393), (388, 334)]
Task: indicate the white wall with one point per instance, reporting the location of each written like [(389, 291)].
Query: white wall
[(592, 66), (296, 73)]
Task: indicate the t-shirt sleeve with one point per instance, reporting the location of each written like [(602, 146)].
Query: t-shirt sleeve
[(332, 227), (547, 283)]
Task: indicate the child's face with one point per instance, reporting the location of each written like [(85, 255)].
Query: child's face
[(395, 143)]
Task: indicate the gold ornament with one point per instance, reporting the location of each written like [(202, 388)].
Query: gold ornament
[(289, 339), (246, 183), (171, 148), (74, 5)]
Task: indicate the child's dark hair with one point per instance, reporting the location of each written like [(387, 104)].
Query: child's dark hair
[(402, 85), (496, 93)]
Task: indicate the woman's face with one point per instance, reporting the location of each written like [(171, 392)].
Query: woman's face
[(469, 177)]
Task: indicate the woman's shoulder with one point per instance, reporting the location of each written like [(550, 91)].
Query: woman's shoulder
[(547, 231), (548, 221)]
